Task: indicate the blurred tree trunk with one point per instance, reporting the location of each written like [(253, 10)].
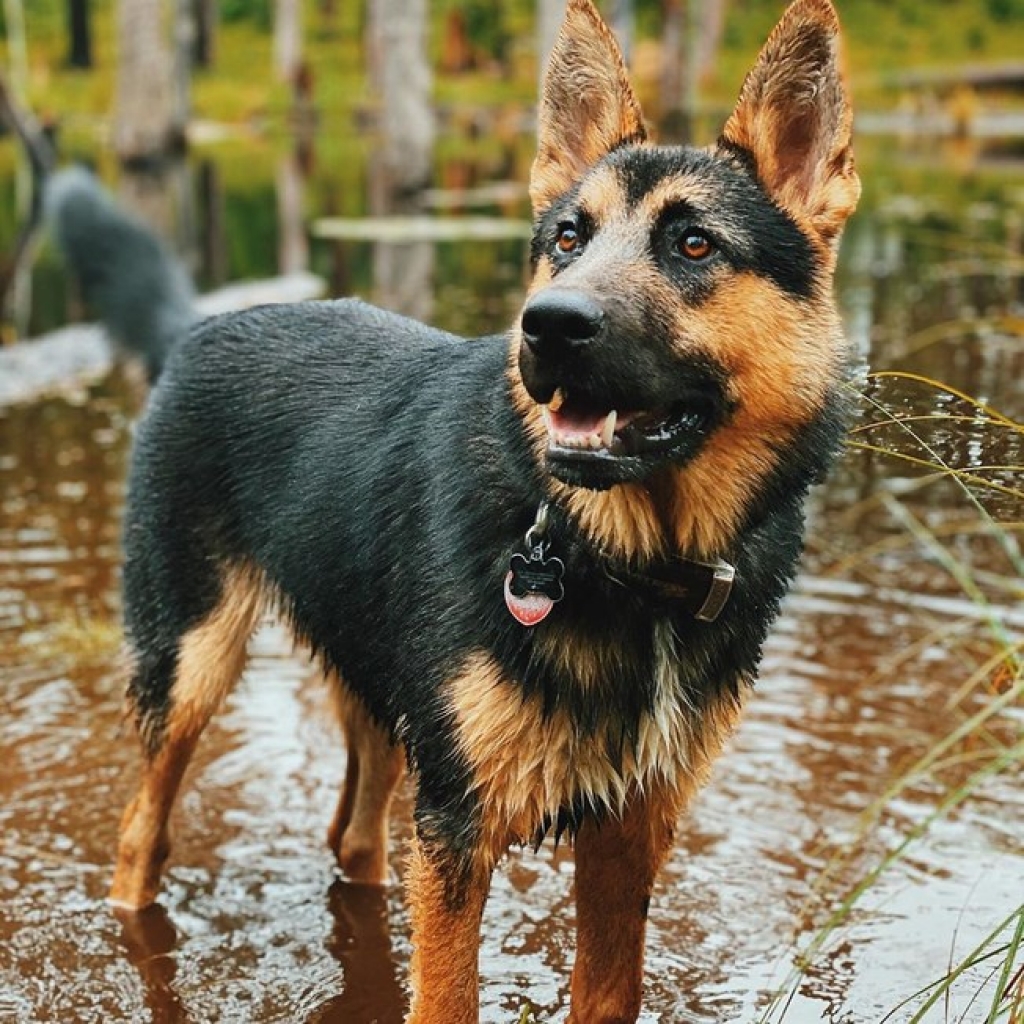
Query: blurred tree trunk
[(144, 123), (205, 15), (292, 242), (691, 38), (399, 71), (401, 77), (549, 18), (79, 36), (709, 16), (673, 43), (184, 57), (287, 40), (161, 196), (214, 250)]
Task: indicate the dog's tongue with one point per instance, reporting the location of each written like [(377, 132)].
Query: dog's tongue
[(573, 425), (577, 421), (570, 426)]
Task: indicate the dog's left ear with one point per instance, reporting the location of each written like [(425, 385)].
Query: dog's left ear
[(794, 118), (587, 107)]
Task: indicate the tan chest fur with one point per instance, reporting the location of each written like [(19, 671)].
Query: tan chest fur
[(528, 766)]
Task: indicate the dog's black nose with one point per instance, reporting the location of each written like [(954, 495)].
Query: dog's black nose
[(557, 321)]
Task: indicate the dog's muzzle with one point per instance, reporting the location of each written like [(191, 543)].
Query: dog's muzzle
[(615, 404)]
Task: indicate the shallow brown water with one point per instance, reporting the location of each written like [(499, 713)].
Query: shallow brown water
[(254, 924)]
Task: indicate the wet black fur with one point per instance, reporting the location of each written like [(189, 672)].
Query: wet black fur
[(376, 472)]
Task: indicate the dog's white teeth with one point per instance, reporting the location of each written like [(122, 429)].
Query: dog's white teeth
[(557, 400), (608, 430), (579, 442), (601, 437)]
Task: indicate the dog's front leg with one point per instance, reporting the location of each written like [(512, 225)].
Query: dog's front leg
[(446, 894), (617, 860)]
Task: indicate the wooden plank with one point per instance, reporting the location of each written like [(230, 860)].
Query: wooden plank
[(495, 194), (401, 230)]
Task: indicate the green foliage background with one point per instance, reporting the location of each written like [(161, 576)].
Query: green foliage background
[(882, 37)]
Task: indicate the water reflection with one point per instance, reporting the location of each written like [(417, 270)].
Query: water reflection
[(150, 941), (360, 940), (863, 674), (361, 943)]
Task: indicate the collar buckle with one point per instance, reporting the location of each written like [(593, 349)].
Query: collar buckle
[(723, 574)]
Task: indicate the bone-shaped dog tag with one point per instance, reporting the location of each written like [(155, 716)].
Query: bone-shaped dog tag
[(533, 586)]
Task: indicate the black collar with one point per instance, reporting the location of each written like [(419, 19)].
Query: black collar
[(701, 588)]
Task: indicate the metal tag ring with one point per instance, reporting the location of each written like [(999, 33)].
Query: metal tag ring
[(535, 534)]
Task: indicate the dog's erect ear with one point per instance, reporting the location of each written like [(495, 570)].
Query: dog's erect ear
[(793, 117), (587, 107)]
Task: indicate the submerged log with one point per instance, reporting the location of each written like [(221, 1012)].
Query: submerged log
[(72, 357)]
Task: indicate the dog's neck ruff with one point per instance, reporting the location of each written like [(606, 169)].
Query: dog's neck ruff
[(534, 583)]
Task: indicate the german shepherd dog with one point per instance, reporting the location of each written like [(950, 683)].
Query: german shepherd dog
[(537, 567)]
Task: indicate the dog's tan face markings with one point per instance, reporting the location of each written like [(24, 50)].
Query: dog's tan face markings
[(781, 352), (781, 356)]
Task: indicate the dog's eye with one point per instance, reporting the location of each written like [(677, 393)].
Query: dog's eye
[(568, 239), (694, 245)]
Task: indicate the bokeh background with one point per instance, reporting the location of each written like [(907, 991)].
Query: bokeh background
[(859, 854)]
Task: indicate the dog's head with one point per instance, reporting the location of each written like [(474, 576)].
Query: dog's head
[(680, 328)]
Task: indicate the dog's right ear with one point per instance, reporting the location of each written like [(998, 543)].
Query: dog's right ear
[(587, 107)]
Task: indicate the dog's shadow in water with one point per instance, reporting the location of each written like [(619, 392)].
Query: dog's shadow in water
[(360, 941)]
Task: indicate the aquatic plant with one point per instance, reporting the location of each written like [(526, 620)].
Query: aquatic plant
[(986, 738)]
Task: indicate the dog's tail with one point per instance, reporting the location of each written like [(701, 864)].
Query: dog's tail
[(140, 291)]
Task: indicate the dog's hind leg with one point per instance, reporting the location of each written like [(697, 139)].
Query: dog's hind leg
[(174, 693), (358, 835), (617, 860)]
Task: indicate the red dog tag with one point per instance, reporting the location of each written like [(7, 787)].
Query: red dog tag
[(529, 609), (533, 586)]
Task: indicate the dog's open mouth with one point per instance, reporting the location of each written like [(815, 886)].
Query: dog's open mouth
[(592, 445), (576, 424)]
